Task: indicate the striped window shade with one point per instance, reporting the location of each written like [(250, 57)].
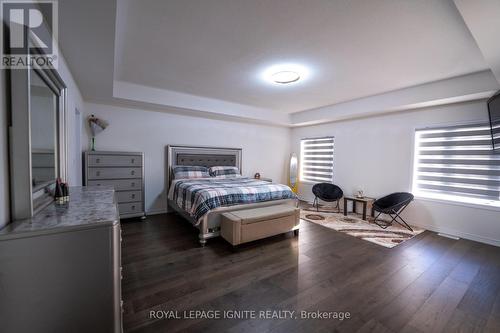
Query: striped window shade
[(316, 159), (457, 163)]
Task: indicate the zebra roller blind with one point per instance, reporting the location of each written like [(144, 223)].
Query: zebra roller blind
[(457, 163), (316, 159)]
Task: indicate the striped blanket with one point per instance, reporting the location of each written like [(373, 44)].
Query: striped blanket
[(198, 196)]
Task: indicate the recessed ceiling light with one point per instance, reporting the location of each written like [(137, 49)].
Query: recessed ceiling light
[(285, 77), (285, 74)]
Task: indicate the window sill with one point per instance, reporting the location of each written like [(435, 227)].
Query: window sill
[(484, 206), (310, 182)]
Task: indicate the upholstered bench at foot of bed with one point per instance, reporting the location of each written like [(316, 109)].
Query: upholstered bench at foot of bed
[(247, 225)]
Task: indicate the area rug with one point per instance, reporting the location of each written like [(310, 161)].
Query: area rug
[(354, 225)]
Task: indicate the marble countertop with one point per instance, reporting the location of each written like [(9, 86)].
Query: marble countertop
[(89, 206)]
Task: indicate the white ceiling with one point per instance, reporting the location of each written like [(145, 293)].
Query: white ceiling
[(354, 49), (218, 49)]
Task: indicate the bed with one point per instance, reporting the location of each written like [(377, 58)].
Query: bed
[(202, 201)]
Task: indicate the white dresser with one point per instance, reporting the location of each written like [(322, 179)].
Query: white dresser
[(122, 170), (60, 271)]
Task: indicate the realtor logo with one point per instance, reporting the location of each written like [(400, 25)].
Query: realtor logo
[(29, 34)]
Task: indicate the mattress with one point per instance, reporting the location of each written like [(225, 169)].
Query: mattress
[(199, 196)]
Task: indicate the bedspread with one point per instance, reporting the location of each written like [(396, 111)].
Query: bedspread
[(199, 196)]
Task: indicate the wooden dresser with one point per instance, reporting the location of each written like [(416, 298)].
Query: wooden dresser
[(122, 170)]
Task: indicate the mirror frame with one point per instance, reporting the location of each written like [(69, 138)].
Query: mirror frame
[(25, 203)]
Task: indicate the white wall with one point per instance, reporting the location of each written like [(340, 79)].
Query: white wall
[(265, 148), (376, 154)]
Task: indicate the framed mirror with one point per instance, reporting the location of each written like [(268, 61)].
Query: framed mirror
[(43, 113), (44, 139), (37, 139)]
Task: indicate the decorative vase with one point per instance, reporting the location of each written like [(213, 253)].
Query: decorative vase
[(92, 143)]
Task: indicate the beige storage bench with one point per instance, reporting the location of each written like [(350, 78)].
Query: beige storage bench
[(247, 225)]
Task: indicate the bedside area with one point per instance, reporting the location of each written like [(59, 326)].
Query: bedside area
[(67, 260)]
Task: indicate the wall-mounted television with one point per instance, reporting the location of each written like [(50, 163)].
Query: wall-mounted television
[(494, 111)]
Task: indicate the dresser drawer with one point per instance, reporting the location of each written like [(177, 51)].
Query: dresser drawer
[(123, 171), (130, 208), (114, 160), (128, 196), (114, 173), (119, 184)]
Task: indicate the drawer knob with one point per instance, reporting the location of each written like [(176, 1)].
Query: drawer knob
[(133, 207), (133, 160), (133, 196), (132, 172), (97, 160), (132, 184), (98, 173)]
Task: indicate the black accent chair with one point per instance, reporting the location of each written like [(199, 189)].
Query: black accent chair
[(392, 205), (327, 192)]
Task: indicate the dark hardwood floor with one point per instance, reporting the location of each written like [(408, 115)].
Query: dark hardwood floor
[(427, 284)]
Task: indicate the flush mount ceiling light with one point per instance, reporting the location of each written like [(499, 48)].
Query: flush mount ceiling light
[(285, 74), (285, 77)]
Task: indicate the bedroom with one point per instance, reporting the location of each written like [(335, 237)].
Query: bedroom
[(158, 86)]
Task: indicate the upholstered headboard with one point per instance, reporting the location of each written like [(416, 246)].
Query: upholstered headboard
[(201, 156), (207, 160)]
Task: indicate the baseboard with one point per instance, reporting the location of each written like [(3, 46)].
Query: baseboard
[(464, 235), (448, 236), (477, 238), (305, 195), (157, 212)]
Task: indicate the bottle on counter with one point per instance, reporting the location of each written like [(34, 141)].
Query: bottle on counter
[(66, 192), (58, 192)]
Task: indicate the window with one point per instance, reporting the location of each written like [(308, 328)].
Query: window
[(457, 163), (316, 160)]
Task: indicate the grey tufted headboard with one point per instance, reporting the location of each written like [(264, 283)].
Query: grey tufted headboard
[(207, 160), (202, 156)]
